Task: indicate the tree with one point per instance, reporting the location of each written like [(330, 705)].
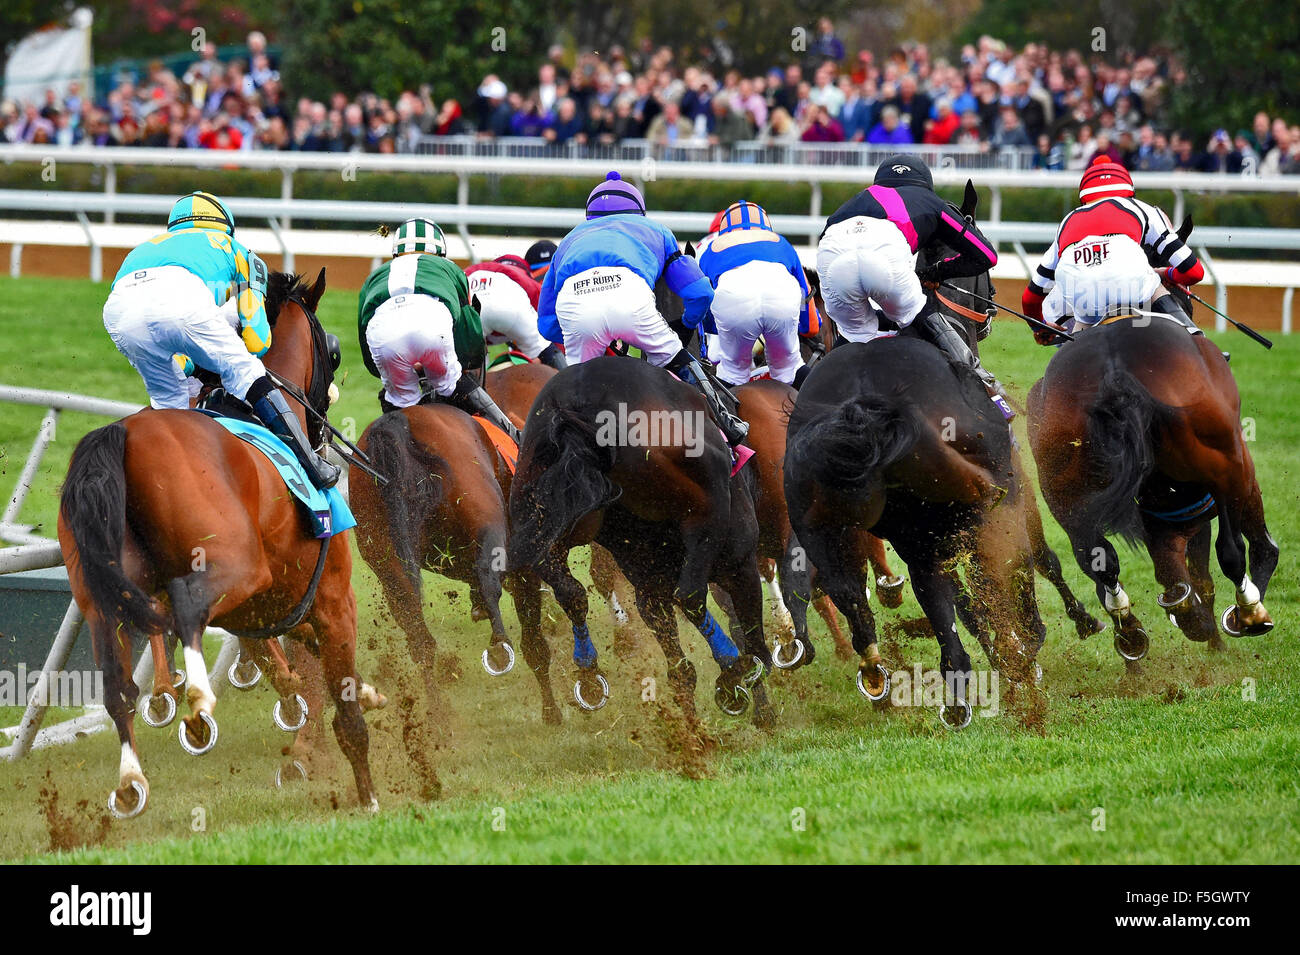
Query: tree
[(387, 46)]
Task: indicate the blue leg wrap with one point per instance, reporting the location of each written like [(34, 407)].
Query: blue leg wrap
[(584, 651), (724, 651)]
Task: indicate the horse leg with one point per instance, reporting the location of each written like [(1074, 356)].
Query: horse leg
[(334, 620), (727, 605), (747, 595), (160, 708), (1168, 548), (840, 575), (190, 610), (936, 593), (889, 585), (591, 691), (1247, 616), (1097, 558), (404, 604), (826, 610), (1049, 565), (609, 582), (537, 654), (1198, 569), (796, 594), (113, 654), (489, 562), (656, 610)]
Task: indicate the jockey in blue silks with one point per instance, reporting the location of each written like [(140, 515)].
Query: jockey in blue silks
[(760, 291), (195, 295), (600, 287)]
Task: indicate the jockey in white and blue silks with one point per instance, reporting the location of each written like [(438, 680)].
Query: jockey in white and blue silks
[(759, 291), (600, 287), (195, 295)]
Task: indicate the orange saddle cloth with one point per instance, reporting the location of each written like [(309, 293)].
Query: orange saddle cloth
[(508, 450)]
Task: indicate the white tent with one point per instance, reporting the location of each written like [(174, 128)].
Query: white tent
[(50, 59)]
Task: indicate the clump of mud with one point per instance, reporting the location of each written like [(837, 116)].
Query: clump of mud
[(80, 827)]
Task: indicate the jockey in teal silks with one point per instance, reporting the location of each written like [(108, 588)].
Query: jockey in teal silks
[(195, 295)]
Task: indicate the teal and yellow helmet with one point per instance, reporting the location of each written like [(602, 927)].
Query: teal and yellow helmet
[(419, 235), (201, 210)]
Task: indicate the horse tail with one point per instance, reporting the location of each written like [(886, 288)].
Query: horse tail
[(93, 505), (414, 487), (849, 446), (570, 481), (1120, 438)]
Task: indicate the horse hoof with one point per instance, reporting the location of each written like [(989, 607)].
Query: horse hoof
[(1232, 626), (755, 673), (209, 739), (875, 696), (178, 680), (1179, 599), (797, 654), (277, 714), (581, 700), (1089, 626), (957, 716), (244, 674), (502, 646), (890, 591), (734, 700), (295, 767), (1132, 644), (159, 701), (122, 811)]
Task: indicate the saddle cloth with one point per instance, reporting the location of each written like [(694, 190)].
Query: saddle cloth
[(508, 450), (328, 510)]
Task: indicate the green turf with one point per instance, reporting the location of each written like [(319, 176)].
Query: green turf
[(1186, 766)]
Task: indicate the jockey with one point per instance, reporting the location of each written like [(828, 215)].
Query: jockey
[(600, 287), (195, 295), (505, 294), (415, 311), (538, 258), (1101, 260), (759, 291), (867, 251)]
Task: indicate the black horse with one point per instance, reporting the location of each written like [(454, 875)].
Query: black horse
[(619, 452)]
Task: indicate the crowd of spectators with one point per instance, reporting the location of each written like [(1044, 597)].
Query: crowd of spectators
[(1063, 106)]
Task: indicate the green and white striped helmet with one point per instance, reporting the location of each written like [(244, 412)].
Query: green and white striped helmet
[(419, 235)]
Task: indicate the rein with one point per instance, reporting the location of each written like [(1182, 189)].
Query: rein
[(979, 318)]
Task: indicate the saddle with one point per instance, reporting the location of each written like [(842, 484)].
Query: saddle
[(327, 512)]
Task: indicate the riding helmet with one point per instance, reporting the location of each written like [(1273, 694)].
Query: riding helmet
[(903, 170), (614, 196), (1103, 180), (419, 235), (201, 210), (539, 256)]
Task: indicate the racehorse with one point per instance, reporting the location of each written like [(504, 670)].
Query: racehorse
[(1135, 426), (888, 437), (621, 453), (168, 522), (443, 508)]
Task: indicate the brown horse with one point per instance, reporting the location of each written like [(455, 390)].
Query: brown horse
[(1135, 426), (444, 509), (170, 522)]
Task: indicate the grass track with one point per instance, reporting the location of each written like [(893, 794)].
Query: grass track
[(1185, 769)]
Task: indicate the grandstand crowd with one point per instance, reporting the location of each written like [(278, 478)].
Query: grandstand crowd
[(1064, 106)]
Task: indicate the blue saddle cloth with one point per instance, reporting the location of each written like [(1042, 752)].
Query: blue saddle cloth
[(329, 511)]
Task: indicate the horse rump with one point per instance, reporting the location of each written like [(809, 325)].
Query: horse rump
[(849, 446), (93, 507), (1122, 451), (414, 489), (562, 477)]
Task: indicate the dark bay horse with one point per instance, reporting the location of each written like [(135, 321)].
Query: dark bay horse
[(444, 510), (145, 497), (888, 437), (1136, 429), (621, 453)]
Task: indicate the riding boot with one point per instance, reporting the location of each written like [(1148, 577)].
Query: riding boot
[(1168, 305), (801, 375), (685, 367), (470, 398), (385, 405), (269, 405), (551, 355), (935, 328)]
